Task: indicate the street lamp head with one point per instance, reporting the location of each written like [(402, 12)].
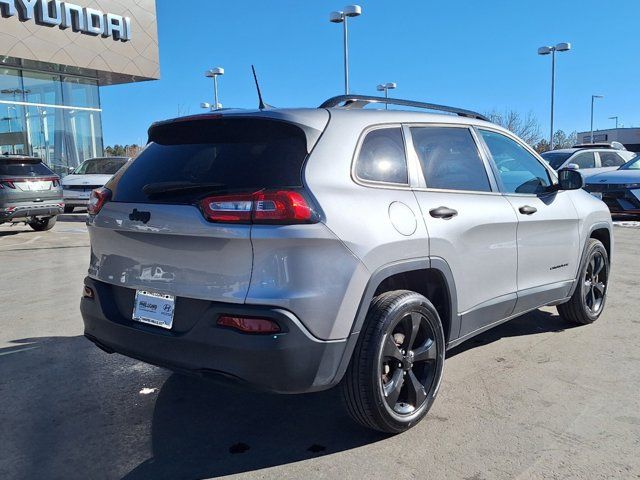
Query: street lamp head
[(563, 47), (214, 72), (205, 105), (597, 96), (391, 85), (381, 87), (545, 50), (352, 10), (336, 17)]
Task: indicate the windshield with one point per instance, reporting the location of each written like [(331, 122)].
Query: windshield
[(100, 166), (633, 164), (185, 159), (20, 169), (556, 159)]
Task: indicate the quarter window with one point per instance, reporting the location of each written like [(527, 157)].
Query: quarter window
[(382, 157), (519, 170), (584, 160), (450, 159), (610, 159)]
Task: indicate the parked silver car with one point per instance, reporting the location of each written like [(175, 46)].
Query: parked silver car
[(295, 250), (29, 192)]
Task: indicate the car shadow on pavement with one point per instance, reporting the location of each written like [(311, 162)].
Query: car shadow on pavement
[(200, 430), (71, 411), (535, 322)]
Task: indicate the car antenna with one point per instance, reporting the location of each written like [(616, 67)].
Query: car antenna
[(261, 105)]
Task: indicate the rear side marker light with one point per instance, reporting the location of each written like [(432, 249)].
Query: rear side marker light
[(279, 207), (249, 324), (98, 198), (87, 292)]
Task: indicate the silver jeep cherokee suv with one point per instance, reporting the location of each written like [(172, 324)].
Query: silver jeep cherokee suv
[(298, 249)]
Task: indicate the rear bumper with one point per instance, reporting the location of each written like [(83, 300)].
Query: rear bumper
[(289, 362), (19, 211)]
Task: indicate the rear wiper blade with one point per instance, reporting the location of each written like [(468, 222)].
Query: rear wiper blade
[(170, 188)]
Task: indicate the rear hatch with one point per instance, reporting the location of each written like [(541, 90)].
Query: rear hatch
[(24, 179), (158, 231)]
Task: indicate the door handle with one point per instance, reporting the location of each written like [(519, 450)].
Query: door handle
[(443, 212), (527, 210)]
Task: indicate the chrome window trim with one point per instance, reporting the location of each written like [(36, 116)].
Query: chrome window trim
[(356, 155), (422, 186)]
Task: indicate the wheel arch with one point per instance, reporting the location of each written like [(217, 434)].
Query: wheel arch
[(409, 275), (600, 231)]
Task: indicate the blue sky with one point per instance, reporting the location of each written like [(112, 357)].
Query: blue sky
[(473, 54)]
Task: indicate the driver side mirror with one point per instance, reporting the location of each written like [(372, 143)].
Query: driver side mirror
[(569, 179)]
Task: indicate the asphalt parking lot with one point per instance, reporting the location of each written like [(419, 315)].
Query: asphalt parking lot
[(533, 398)]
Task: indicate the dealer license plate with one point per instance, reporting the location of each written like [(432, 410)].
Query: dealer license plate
[(154, 308)]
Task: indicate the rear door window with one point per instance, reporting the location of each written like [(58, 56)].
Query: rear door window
[(610, 159), (449, 158), (227, 154), (382, 157)]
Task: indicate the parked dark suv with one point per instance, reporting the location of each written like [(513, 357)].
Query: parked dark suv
[(29, 192)]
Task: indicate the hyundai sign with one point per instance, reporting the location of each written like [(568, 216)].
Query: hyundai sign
[(56, 13)]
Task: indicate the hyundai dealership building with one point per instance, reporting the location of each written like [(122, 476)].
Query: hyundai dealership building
[(54, 57)]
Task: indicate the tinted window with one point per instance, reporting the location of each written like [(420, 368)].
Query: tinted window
[(450, 159), (17, 169), (584, 160), (556, 159), (520, 171), (100, 166), (610, 159), (232, 154), (382, 157)]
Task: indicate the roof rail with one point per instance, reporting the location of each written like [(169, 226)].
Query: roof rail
[(361, 101)]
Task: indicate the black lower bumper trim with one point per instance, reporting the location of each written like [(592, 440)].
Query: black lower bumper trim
[(288, 362)]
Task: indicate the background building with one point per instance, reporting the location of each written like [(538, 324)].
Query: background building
[(629, 137), (54, 56)]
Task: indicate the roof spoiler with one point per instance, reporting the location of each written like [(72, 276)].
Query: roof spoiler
[(361, 101)]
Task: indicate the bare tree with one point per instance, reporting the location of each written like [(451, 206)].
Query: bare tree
[(526, 127)]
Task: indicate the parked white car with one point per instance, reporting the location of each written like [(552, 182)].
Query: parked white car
[(590, 160), (91, 174)]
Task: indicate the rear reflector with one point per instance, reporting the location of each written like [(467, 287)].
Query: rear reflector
[(281, 206), (249, 324), (98, 198)]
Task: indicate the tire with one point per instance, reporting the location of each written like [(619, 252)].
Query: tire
[(390, 383), (68, 209), (589, 298), (43, 224)]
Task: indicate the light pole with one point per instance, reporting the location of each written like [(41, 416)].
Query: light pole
[(341, 17), (593, 97), (560, 47), (616, 119), (215, 73), (385, 87)]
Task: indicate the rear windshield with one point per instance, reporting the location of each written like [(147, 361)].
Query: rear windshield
[(100, 166), (240, 154), (20, 169), (556, 159)]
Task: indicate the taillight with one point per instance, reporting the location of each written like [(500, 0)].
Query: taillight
[(249, 324), (7, 183), (98, 198), (279, 206)]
